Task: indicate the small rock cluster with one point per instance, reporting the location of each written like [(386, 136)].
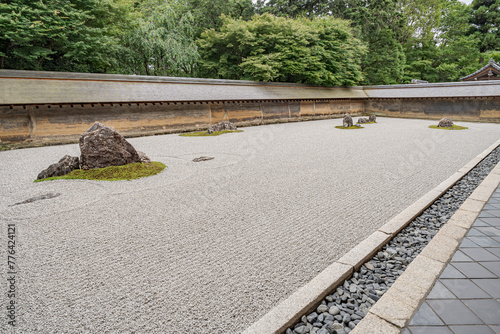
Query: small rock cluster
[(100, 146), (342, 310), (221, 126), (64, 166), (445, 123), (347, 122), (370, 119)]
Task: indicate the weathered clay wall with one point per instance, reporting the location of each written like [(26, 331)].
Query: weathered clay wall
[(485, 109), (65, 122), (40, 107)]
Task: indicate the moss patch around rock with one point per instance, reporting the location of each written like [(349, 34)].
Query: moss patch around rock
[(113, 173), (205, 134), (454, 127), (349, 128)]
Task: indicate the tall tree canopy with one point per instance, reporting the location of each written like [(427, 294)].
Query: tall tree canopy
[(379, 23), (295, 8), (382, 41), (207, 13), (59, 35), (162, 42), (449, 53), (318, 51), (486, 24)]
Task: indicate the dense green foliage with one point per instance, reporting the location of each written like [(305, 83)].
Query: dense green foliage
[(379, 24), (318, 51), (207, 13), (162, 42), (309, 41), (449, 55), (486, 24), (57, 35)]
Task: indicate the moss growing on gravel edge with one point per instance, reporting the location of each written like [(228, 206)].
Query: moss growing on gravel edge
[(367, 123), (113, 173), (349, 128), (205, 134), (454, 127)]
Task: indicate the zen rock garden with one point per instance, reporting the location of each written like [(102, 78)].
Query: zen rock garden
[(214, 130), (347, 122), (222, 126), (101, 146), (447, 124)]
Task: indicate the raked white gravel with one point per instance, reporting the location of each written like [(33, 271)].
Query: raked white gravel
[(210, 247)]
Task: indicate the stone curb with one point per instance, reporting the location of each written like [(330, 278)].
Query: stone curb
[(398, 305), (395, 308)]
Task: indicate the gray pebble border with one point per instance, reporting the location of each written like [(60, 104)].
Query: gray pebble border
[(341, 311)]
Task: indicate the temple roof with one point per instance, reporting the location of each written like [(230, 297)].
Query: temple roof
[(492, 65)]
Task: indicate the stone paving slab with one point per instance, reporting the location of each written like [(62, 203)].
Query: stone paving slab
[(212, 246), (465, 298)]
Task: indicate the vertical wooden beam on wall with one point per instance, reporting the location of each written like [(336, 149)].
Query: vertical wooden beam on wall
[(226, 116), (32, 120), (209, 113)]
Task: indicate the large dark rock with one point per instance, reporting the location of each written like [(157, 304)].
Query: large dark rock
[(63, 167), (372, 118), (221, 126), (347, 121), (445, 123), (102, 146)]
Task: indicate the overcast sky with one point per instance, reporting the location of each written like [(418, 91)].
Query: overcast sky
[(466, 1)]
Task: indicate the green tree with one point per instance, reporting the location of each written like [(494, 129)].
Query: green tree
[(162, 41), (422, 19), (319, 51), (56, 35), (486, 24), (207, 13), (380, 24), (450, 54), (294, 8)]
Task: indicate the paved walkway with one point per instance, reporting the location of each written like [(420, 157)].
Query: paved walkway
[(466, 297)]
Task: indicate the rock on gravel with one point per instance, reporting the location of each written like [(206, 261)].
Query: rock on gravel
[(143, 157), (63, 167), (203, 158), (347, 121), (445, 123), (221, 126), (102, 146)]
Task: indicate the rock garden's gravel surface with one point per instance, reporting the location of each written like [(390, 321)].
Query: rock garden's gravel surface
[(211, 246), (341, 311)]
